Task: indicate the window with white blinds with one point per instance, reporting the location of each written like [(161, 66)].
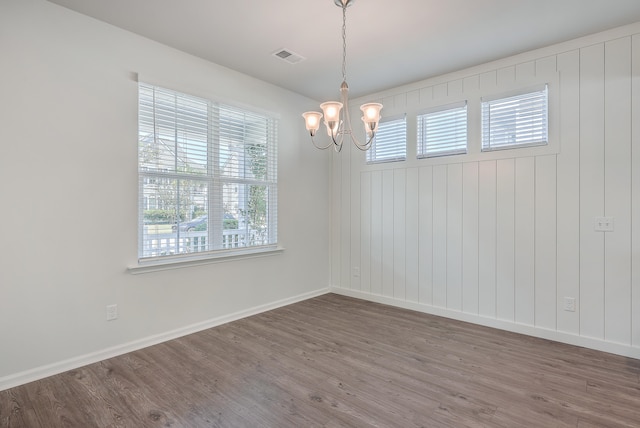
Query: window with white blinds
[(207, 176), (390, 142), (443, 131), (516, 121)]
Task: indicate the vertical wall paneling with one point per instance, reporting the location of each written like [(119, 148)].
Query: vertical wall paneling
[(440, 235), (345, 218), (425, 233), (354, 202), (488, 81), (635, 187), (547, 66), (376, 232), (426, 94), (399, 237), (454, 237), (471, 85), (365, 232), (413, 99), (470, 231), (412, 234), (568, 188), (487, 186), (510, 235), (440, 91), (455, 88), (506, 75), (387, 232), (591, 190), (617, 179), (505, 239), (400, 102), (524, 240), (335, 220), (525, 71), (546, 301)]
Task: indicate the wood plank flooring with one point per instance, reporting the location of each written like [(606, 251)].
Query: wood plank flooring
[(334, 361)]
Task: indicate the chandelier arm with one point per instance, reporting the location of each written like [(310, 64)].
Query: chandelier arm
[(319, 147), (337, 144), (363, 147)]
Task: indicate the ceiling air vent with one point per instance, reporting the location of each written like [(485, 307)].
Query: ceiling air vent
[(288, 56)]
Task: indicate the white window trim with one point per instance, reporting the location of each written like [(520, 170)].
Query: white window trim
[(205, 258), (150, 264)]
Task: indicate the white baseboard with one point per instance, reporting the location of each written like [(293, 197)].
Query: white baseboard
[(557, 336), (82, 360)]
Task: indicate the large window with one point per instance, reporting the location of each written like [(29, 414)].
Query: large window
[(390, 142), (520, 120), (443, 131), (207, 175)]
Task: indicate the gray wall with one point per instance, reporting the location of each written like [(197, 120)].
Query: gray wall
[(68, 185)]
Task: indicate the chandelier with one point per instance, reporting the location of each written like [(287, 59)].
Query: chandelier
[(336, 114)]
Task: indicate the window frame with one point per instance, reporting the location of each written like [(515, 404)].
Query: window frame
[(215, 179), (485, 133), (422, 115)]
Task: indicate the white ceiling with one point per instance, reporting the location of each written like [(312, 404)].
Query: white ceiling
[(389, 43)]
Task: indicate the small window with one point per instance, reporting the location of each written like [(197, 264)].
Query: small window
[(443, 131), (390, 142), (516, 121)]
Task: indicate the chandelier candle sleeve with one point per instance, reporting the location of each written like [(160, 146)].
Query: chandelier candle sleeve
[(371, 116), (312, 120), (331, 112)]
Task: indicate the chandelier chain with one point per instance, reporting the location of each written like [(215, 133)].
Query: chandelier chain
[(344, 42)]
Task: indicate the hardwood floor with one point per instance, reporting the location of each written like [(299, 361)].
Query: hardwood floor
[(334, 361)]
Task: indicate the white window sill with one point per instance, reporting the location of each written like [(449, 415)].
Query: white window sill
[(179, 262)]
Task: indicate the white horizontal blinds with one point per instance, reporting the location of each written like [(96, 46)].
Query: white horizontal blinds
[(173, 131), (443, 131), (197, 160), (247, 170), (390, 142), (515, 121)]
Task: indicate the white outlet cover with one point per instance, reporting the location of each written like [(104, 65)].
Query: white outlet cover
[(112, 312), (570, 304), (603, 224)]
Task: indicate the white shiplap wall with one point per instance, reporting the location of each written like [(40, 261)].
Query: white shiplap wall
[(501, 238)]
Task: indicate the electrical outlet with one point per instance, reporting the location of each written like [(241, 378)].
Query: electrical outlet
[(570, 304), (603, 224), (356, 271), (112, 312)]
